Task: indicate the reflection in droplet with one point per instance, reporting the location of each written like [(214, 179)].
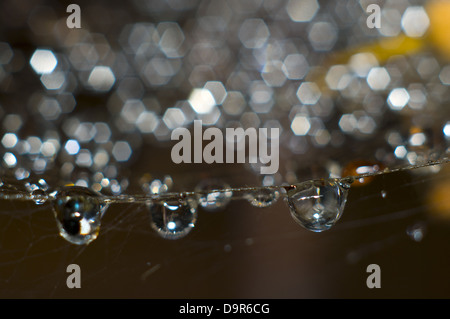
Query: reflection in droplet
[(78, 211), (317, 205), (263, 197), (210, 198), (173, 218), (39, 196)]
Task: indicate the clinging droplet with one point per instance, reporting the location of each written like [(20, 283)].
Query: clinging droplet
[(39, 196), (317, 205), (213, 195), (173, 218), (263, 197), (78, 211)]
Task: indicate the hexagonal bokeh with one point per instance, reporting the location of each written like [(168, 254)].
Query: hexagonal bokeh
[(295, 66), (378, 78), (415, 21), (300, 125), (322, 36), (217, 89), (254, 33), (43, 61), (121, 151), (308, 93), (101, 78), (174, 117), (398, 98), (202, 101), (171, 38), (147, 122), (131, 110), (302, 10)]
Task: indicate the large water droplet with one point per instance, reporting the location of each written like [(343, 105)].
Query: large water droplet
[(263, 197), (214, 194), (78, 211), (317, 205), (173, 218)]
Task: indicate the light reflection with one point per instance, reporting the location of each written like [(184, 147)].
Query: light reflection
[(43, 61), (101, 78), (202, 101)]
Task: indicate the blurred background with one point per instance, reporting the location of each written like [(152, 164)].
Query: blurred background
[(95, 107)]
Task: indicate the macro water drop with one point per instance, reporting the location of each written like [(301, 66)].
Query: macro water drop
[(213, 195), (39, 196), (173, 218), (317, 205), (78, 211), (263, 197)]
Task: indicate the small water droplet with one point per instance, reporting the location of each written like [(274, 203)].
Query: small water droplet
[(39, 196), (383, 193), (215, 195), (173, 218), (78, 211), (263, 197), (317, 205), (417, 231)]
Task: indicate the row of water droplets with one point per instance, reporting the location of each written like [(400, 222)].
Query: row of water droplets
[(316, 205)]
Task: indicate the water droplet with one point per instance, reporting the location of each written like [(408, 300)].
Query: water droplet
[(417, 231), (317, 205), (173, 218), (215, 194), (383, 194), (78, 211), (39, 196), (263, 197)]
